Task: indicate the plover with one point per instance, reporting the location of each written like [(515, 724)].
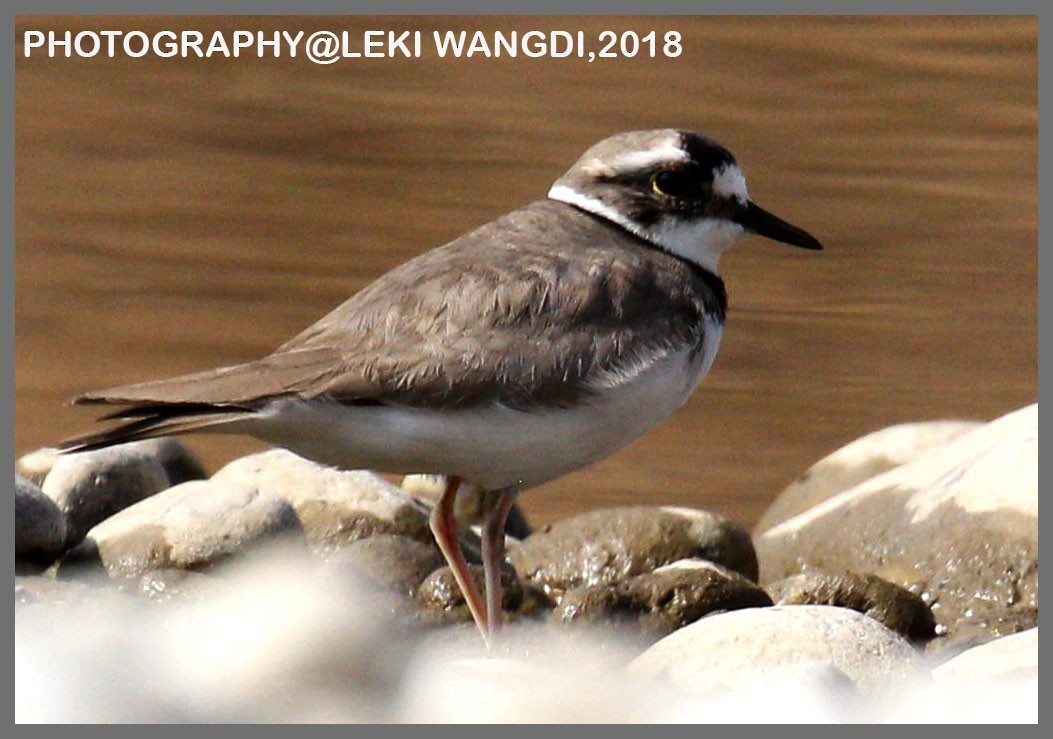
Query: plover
[(532, 346)]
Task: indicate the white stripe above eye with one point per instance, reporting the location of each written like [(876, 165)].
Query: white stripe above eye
[(636, 161)]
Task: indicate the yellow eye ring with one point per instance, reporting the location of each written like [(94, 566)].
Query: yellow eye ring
[(672, 183)]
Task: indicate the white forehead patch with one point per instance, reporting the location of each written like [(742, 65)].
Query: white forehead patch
[(636, 161), (729, 182)]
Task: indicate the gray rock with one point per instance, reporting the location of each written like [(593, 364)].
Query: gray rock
[(609, 545), (40, 528), (334, 506), (181, 465), (897, 608), (189, 526), (92, 486), (860, 460), (387, 561), (958, 526), (657, 603), (711, 651)]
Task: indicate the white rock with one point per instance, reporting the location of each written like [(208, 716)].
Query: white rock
[(187, 526), (992, 468), (1005, 657), (860, 460), (994, 683), (334, 506), (711, 653), (958, 526)]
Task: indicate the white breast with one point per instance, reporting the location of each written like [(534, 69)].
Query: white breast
[(495, 446)]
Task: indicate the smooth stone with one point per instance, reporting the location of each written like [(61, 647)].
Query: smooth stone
[(993, 683), (657, 603), (866, 457), (190, 526), (335, 506), (387, 561), (958, 526), (711, 651), (441, 602), (36, 465), (40, 528), (181, 464), (609, 545), (89, 487), (471, 506), (1005, 658), (897, 608)]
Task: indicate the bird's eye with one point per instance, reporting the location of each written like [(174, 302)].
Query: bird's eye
[(673, 183)]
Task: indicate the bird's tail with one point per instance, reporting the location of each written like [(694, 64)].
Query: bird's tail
[(152, 420)]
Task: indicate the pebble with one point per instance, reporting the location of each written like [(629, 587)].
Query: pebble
[(657, 603), (897, 608), (189, 526), (957, 526), (441, 602), (89, 487), (387, 561), (334, 506), (179, 462), (709, 652), (609, 545), (866, 457), (1006, 658)]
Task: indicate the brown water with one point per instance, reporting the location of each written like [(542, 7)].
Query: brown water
[(174, 215)]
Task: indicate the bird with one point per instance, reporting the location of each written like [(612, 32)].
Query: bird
[(534, 345)]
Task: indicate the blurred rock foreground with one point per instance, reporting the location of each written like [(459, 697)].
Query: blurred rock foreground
[(278, 590)]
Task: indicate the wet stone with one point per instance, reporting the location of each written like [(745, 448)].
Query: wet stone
[(896, 607), (441, 602), (40, 528), (606, 546), (957, 526), (657, 603)]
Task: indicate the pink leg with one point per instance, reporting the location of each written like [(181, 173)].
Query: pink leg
[(444, 527), (493, 552)]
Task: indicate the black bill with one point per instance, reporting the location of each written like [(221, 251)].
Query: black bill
[(761, 222)]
